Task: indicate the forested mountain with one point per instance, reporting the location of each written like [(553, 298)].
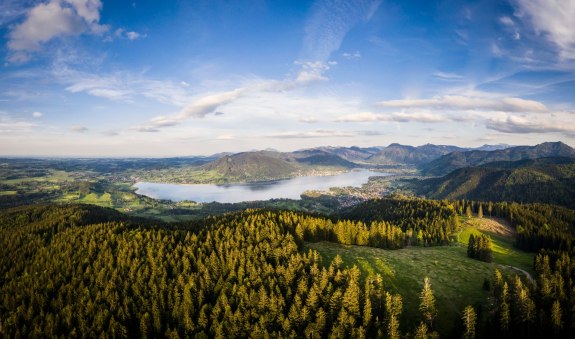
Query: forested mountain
[(319, 157), (84, 271), (545, 180), (455, 160), (252, 166), (396, 154)]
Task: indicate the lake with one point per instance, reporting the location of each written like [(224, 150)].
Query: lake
[(233, 193)]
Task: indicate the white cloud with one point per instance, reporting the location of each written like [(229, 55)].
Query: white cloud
[(135, 35), (124, 86), (130, 35), (351, 56), (201, 106), (445, 76), (308, 120), (521, 125), (507, 21), (426, 117), (53, 19), (508, 104), (313, 71), (553, 18), (312, 134), (330, 22), (78, 129), (359, 117), (37, 114), (10, 125)]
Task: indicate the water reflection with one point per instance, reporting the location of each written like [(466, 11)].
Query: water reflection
[(286, 189)]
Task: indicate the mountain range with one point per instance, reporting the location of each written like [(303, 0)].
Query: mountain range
[(545, 180), (447, 163)]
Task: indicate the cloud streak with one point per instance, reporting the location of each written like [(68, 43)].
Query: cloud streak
[(426, 117), (310, 72), (330, 22), (554, 19), (453, 103), (518, 125)]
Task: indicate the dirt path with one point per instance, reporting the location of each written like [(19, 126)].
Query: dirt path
[(529, 277)]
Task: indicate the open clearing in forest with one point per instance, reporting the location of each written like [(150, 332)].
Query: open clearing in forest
[(503, 237), (456, 280)]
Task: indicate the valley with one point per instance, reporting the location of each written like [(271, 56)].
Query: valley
[(366, 247)]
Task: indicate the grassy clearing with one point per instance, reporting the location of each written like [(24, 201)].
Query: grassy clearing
[(503, 251), (455, 279), (8, 192)]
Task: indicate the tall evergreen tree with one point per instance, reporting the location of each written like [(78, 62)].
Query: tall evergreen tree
[(469, 318), (427, 305)]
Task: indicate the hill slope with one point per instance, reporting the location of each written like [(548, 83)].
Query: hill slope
[(545, 180), (396, 154), (252, 166), (452, 161)]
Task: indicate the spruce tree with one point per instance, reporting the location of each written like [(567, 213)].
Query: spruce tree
[(427, 303), (469, 319)]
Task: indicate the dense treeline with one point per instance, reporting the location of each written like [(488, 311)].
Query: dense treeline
[(533, 310), (424, 222), (81, 270), (480, 248), (538, 226), (238, 275)]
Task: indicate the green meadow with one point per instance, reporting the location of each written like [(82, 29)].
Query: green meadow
[(457, 281)]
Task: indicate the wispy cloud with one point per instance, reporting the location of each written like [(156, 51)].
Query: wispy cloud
[(447, 76), (553, 19), (310, 72), (78, 129), (122, 33), (53, 19), (351, 56), (320, 133), (426, 117), (121, 85), (37, 114), (508, 104), (522, 125), (11, 125), (330, 22)]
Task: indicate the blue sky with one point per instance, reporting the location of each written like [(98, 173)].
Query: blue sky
[(168, 78)]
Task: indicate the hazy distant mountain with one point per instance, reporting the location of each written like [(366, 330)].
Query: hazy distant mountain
[(396, 154), (352, 154), (452, 161), (545, 180), (496, 147)]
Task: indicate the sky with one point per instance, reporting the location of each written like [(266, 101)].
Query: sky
[(114, 78)]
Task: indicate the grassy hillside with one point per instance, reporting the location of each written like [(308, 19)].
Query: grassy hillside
[(546, 180), (456, 280)]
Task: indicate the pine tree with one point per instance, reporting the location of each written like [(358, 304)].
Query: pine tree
[(469, 319), (468, 212), (471, 247), (480, 212), (427, 304), (421, 332), (556, 316)]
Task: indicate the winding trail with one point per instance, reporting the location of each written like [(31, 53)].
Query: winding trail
[(527, 274)]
